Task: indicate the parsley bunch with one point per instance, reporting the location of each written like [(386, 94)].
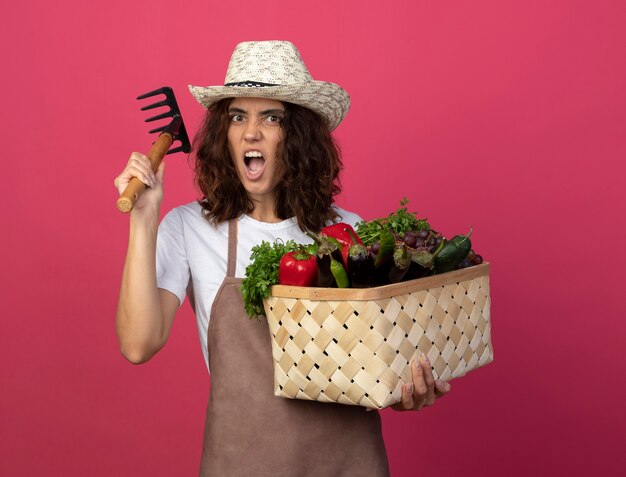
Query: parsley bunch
[(400, 221), (262, 273)]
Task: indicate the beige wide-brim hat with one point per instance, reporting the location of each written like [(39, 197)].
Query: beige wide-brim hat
[(275, 70)]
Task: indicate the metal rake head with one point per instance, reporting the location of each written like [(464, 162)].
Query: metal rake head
[(176, 127)]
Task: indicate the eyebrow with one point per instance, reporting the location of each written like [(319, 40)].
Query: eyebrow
[(262, 113)]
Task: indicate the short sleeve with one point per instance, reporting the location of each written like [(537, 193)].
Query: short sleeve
[(348, 217), (172, 266)]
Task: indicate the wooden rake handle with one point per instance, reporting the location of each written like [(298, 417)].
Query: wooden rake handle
[(135, 187)]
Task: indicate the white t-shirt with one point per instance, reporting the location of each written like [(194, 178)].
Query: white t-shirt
[(191, 248)]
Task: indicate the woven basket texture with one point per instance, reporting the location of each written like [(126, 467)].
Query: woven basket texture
[(355, 346)]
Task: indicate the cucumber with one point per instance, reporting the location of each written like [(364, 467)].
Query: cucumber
[(452, 252)]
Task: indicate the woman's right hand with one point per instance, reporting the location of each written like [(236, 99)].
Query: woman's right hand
[(139, 166)]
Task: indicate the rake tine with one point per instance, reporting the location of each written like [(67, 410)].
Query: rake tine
[(176, 149), (155, 105), (183, 138), (159, 129), (153, 93), (159, 116)]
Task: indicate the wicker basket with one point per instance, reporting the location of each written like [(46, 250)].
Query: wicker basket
[(354, 346)]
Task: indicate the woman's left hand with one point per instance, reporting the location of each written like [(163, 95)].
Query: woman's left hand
[(424, 390)]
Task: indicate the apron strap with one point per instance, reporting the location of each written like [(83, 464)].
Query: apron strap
[(231, 266)]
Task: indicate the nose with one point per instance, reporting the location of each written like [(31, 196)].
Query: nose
[(252, 132)]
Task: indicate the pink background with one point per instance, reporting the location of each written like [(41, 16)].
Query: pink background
[(507, 116)]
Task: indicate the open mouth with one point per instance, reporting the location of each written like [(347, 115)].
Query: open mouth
[(255, 162)]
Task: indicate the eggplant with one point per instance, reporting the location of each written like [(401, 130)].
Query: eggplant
[(327, 248), (401, 263), (421, 263), (360, 266)]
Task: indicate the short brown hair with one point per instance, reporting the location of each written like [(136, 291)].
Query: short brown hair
[(310, 158)]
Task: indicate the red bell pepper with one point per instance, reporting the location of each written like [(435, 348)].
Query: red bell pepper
[(298, 268), (341, 232)]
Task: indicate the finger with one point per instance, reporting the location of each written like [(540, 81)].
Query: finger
[(429, 380), (131, 171), (138, 166), (418, 379), (142, 163), (419, 385), (139, 157), (407, 396), (441, 388)]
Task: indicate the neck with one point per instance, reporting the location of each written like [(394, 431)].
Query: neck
[(264, 211)]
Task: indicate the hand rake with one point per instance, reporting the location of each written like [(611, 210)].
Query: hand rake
[(174, 130)]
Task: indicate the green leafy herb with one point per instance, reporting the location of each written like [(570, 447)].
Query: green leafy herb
[(262, 273), (400, 221)]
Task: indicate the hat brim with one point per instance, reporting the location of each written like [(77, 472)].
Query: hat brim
[(328, 99)]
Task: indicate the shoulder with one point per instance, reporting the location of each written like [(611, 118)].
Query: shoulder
[(347, 216), (187, 213), (188, 217)]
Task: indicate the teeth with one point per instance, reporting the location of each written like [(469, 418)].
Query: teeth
[(253, 154)]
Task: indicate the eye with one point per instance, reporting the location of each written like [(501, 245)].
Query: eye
[(236, 118), (274, 119)]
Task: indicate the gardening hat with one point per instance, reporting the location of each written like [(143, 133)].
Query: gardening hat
[(275, 70)]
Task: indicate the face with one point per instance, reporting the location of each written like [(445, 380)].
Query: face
[(254, 134)]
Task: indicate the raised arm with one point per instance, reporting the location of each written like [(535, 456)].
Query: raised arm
[(144, 312)]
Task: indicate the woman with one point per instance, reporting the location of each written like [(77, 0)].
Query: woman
[(267, 168)]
